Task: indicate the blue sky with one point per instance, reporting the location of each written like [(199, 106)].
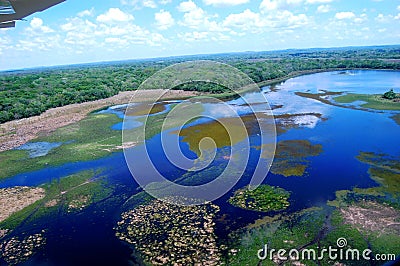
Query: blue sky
[(81, 31)]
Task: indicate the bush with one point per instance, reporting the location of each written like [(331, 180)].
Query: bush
[(389, 95)]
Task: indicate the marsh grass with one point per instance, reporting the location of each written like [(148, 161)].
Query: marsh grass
[(374, 101), (59, 195), (83, 141)]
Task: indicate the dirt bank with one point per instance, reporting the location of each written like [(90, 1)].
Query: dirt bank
[(18, 132)]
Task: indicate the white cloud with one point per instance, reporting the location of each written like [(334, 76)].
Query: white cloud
[(361, 19), (116, 41), (187, 6), (318, 1), (36, 26), (247, 20), (196, 18), (270, 5), (225, 2), (114, 15), (36, 23), (4, 44), (381, 18), (138, 4), (398, 7), (194, 36), (86, 13), (344, 15), (149, 3), (324, 8), (164, 20)]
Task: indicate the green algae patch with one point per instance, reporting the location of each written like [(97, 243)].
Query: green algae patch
[(264, 198), (396, 118), (288, 168), (372, 101), (224, 132), (145, 109), (291, 156), (385, 170)]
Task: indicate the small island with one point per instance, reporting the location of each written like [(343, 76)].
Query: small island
[(264, 198), (387, 101)]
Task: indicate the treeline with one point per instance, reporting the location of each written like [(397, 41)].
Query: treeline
[(29, 93)]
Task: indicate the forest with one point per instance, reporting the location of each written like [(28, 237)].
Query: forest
[(26, 93)]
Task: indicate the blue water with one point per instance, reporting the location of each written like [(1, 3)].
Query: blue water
[(346, 132), (39, 149), (131, 122)]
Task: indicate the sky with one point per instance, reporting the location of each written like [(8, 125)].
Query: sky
[(84, 31)]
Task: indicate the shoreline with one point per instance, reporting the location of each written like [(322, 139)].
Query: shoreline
[(18, 132)]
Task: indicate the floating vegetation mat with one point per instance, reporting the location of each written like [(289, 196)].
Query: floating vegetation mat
[(264, 198), (16, 250), (167, 234), (291, 156)]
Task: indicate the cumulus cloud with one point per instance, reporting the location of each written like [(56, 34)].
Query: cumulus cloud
[(270, 5), (194, 36), (249, 21), (115, 15), (361, 19), (245, 21), (324, 8), (225, 2), (138, 4), (344, 15), (196, 18), (318, 1), (164, 20), (86, 13), (187, 6), (36, 26)]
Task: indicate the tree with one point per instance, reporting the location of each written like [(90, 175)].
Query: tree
[(389, 95)]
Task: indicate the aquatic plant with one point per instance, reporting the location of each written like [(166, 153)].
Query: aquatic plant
[(264, 198), (168, 234)]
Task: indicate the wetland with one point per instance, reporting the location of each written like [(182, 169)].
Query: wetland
[(335, 174)]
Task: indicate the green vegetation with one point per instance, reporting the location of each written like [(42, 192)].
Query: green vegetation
[(69, 194), (88, 139), (390, 95), (385, 170), (291, 231), (291, 156), (224, 132), (264, 198), (396, 118), (29, 93), (169, 234), (373, 101)]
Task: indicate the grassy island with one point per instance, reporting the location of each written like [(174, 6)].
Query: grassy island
[(372, 101), (264, 198)]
